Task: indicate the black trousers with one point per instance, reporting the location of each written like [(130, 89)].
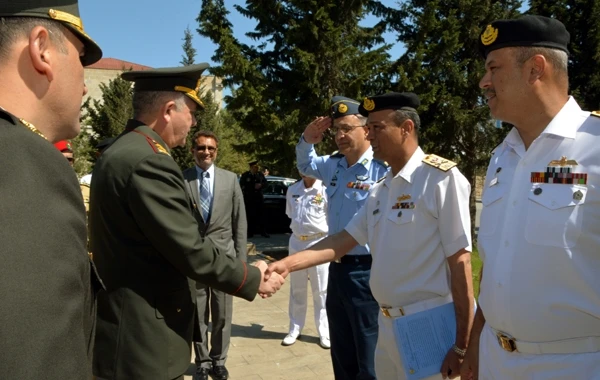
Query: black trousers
[(255, 214)]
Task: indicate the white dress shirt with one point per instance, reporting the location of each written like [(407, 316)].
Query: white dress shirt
[(410, 245), (540, 243)]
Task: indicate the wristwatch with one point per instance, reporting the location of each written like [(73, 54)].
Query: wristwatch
[(459, 351)]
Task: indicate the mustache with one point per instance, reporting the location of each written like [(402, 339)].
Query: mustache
[(489, 92)]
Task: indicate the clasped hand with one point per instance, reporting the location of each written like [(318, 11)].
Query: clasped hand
[(269, 284)]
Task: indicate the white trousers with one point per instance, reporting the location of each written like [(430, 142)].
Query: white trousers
[(299, 292), (496, 363)]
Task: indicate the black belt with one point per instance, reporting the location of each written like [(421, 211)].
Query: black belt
[(355, 259)]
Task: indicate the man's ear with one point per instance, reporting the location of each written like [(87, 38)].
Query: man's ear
[(168, 109), (408, 127), (537, 67), (41, 51), (366, 130)]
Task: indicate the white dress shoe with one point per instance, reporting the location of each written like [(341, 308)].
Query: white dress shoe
[(324, 342), (289, 339)]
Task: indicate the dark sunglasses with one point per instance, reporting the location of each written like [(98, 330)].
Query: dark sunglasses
[(201, 148)]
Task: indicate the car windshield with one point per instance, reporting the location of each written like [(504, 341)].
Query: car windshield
[(278, 186)]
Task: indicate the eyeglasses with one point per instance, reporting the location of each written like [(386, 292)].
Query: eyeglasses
[(344, 129), (202, 148)]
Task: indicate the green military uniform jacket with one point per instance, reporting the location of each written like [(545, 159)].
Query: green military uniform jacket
[(146, 243), (47, 283)]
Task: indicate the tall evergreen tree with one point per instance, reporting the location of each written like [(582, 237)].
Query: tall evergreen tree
[(83, 152), (579, 18), (443, 66), (108, 116), (305, 52), (189, 52)]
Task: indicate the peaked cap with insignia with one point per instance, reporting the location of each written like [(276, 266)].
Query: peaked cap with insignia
[(184, 79), (389, 101), (529, 31), (64, 11), (342, 106)]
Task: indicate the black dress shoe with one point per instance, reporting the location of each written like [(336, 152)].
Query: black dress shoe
[(219, 372), (201, 373)]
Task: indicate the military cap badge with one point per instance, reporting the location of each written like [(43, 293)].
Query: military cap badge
[(369, 104), (489, 35), (342, 108)]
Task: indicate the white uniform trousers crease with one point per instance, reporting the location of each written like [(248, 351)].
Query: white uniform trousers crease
[(299, 292)]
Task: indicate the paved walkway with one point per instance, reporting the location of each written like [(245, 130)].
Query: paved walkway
[(259, 327)]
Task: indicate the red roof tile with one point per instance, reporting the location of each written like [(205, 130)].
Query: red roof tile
[(116, 64)]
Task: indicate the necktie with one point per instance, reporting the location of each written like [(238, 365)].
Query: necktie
[(205, 197)]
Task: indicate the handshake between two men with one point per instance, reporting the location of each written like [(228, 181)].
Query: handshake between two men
[(270, 283)]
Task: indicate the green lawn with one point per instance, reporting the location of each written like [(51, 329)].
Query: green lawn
[(476, 267)]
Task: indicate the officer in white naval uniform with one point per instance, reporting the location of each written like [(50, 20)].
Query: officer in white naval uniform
[(416, 221), (539, 236), (307, 208)]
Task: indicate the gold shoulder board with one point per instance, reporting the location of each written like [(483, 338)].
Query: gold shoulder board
[(439, 162), (160, 148), (596, 113)]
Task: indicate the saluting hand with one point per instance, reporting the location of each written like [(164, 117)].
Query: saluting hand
[(313, 134)]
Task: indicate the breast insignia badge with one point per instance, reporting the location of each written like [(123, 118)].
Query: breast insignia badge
[(560, 172)]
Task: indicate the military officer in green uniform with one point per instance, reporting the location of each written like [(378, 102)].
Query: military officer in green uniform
[(145, 240), (47, 283)]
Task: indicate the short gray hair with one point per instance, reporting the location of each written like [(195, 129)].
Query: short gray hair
[(13, 28), (363, 119), (557, 58), (406, 113), (148, 101)]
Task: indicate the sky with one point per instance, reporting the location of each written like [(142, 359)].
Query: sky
[(150, 32)]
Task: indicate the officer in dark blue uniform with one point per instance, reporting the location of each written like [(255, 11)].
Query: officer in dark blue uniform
[(348, 176)]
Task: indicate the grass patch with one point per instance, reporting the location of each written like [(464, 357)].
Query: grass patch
[(476, 268)]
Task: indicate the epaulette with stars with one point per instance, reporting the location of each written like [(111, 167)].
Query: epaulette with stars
[(439, 162)]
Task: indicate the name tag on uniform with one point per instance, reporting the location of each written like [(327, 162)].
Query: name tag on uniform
[(493, 182)]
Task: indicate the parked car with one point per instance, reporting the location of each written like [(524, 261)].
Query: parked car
[(276, 221)]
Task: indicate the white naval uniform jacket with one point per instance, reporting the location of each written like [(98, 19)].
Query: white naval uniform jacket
[(410, 245), (307, 208), (540, 244)]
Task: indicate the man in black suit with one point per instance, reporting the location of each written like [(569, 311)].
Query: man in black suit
[(47, 282), (222, 219), (253, 183)]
